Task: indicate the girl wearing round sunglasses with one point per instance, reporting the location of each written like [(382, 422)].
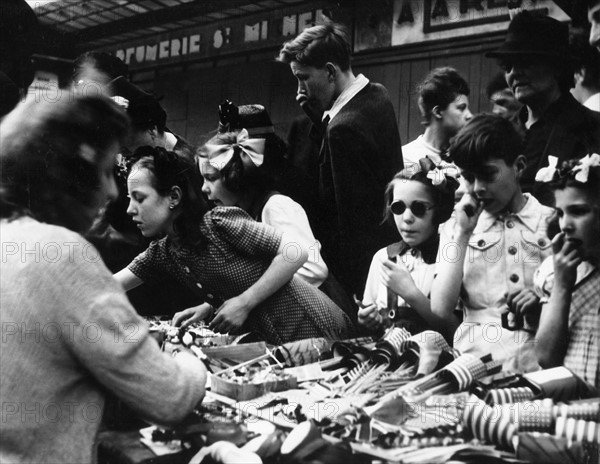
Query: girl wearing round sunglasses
[(401, 275)]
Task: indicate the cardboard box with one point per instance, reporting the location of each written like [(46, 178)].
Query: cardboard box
[(236, 353), (248, 391)]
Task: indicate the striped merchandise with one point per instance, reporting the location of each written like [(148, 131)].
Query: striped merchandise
[(396, 336), (428, 338), (508, 395), (464, 370), (587, 411), (578, 430), (489, 424), (537, 415)]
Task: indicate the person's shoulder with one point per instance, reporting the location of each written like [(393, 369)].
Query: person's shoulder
[(535, 205), (221, 214), (380, 255), (279, 200), (377, 88), (25, 230)]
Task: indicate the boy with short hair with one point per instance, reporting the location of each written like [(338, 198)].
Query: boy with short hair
[(444, 106), (491, 247)]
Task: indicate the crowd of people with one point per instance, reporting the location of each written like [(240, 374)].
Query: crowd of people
[(485, 228)]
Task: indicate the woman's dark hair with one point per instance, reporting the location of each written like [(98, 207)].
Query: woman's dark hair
[(243, 177), (443, 194), (169, 170), (43, 173), (565, 177)]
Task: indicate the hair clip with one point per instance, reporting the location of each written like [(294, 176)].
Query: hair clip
[(438, 174), (580, 171), (547, 173)]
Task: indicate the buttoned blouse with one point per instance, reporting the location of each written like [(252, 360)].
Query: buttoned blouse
[(234, 253), (503, 253), (421, 273)]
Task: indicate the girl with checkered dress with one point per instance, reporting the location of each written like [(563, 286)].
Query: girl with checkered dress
[(241, 268), (569, 280)]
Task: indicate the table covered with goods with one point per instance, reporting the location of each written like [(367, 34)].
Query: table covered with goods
[(399, 398)]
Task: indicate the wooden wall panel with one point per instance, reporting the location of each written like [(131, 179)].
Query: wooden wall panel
[(192, 94)]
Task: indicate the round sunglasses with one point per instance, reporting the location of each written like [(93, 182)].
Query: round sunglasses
[(418, 208)]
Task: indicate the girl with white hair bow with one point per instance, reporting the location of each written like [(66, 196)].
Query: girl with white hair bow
[(242, 171)]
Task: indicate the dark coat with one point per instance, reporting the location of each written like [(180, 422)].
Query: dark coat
[(360, 153), (567, 130)]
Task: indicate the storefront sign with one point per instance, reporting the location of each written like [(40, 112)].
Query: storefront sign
[(220, 39), (415, 21)]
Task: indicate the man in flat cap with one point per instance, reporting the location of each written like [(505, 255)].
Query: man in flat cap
[(538, 68)]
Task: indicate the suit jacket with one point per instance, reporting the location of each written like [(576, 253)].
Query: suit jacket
[(567, 130), (360, 153)]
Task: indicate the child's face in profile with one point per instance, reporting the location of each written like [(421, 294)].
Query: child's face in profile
[(494, 183), (147, 207), (214, 187), (413, 208), (579, 219)]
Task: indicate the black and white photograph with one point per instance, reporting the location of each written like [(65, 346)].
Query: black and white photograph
[(300, 231)]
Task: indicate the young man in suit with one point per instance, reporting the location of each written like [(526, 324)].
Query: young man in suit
[(360, 153)]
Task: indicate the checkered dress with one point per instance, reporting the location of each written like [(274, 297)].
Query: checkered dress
[(583, 351), (234, 254)]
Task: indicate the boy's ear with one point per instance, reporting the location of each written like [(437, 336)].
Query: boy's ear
[(175, 197), (520, 164), (331, 71)]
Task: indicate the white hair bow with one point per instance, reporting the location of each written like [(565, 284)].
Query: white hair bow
[(547, 174), (438, 173), (582, 170), (220, 155)]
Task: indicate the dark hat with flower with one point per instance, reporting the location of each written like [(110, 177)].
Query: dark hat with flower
[(533, 34), (254, 118)]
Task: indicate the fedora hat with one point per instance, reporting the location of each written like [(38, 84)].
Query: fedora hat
[(532, 34)]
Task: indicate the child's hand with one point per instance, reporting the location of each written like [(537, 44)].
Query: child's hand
[(467, 212), (370, 317), (190, 315), (523, 305), (231, 315), (397, 278), (567, 256)]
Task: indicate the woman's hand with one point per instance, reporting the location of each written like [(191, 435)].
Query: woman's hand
[(466, 213), (369, 317), (190, 315), (231, 315), (567, 256), (397, 278)]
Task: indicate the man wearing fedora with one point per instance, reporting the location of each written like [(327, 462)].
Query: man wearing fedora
[(538, 68)]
